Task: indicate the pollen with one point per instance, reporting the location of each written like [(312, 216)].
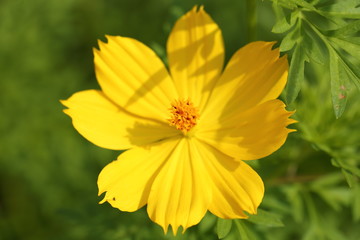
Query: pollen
[(183, 115)]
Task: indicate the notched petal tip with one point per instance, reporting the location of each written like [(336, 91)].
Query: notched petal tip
[(283, 57), (67, 112), (99, 42), (197, 9), (291, 121), (194, 9), (107, 36), (165, 229), (112, 38), (64, 103), (174, 229), (102, 44), (290, 130), (96, 51)]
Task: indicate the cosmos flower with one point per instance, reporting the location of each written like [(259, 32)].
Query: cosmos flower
[(188, 131)]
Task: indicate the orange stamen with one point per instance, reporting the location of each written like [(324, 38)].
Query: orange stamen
[(183, 115)]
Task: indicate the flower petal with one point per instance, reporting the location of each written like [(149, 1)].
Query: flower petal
[(236, 186), (133, 77), (105, 124), (253, 134), (181, 193), (255, 74), (127, 181), (196, 54)]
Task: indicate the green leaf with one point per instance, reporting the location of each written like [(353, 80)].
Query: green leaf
[(323, 35), (351, 48), (266, 218), (285, 3), (223, 227), (207, 223), (356, 207), (315, 49), (243, 231), (338, 86), (350, 179), (335, 196), (354, 40), (338, 162), (350, 63), (293, 194), (353, 71), (304, 4), (288, 42), (296, 74), (345, 9), (349, 29), (281, 25)]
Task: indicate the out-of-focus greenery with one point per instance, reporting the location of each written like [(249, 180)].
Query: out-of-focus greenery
[(48, 172)]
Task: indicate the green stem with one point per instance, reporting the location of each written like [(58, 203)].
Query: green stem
[(251, 19)]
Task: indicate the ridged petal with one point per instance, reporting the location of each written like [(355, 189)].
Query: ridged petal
[(127, 181), (196, 54), (105, 124), (254, 134), (132, 76), (255, 74), (236, 187), (181, 193)]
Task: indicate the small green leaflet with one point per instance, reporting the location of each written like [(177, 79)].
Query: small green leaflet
[(265, 218), (296, 73), (223, 227), (338, 86), (243, 231), (348, 170)]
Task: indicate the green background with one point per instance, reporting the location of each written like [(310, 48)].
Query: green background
[(48, 172)]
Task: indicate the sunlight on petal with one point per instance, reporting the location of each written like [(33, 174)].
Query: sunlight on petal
[(127, 181), (103, 123), (181, 193), (255, 74), (250, 135), (133, 77), (236, 186), (196, 54)]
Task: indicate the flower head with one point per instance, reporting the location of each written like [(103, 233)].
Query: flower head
[(188, 131)]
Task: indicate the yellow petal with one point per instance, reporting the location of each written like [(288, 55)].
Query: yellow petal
[(127, 181), (133, 77), (236, 187), (103, 123), (181, 193), (253, 134), (255, 74), (196, 54)]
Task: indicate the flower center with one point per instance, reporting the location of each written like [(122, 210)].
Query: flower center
[(183, 115)]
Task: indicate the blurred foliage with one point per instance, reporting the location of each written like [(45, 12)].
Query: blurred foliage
[(48, 172)]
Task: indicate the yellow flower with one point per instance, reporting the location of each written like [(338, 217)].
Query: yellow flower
[(188, 130)]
